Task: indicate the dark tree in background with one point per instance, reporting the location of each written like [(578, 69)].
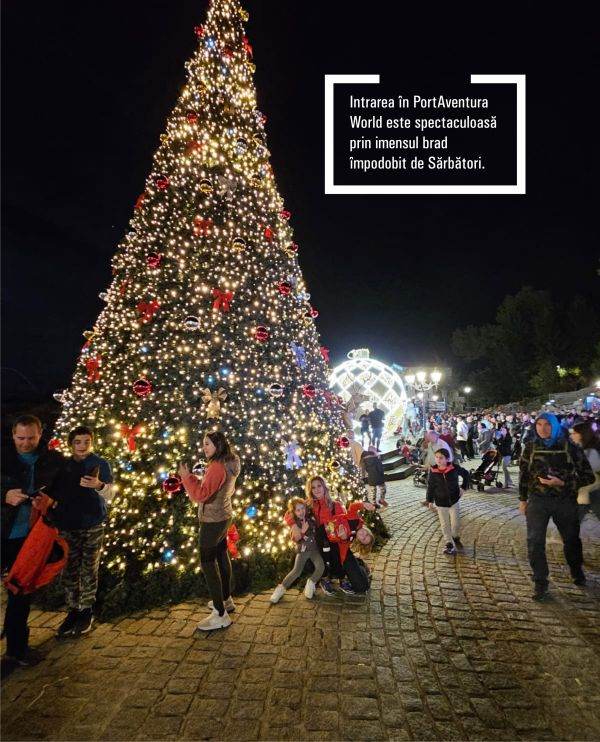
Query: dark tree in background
[(536, 346)]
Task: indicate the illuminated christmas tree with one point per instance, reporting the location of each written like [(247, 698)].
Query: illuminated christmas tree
[(207, 325)]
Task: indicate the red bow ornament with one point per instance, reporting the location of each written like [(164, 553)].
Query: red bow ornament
[(140, 201), (325, 353), (130, 434), (247, 47), (147, 310), (202, 227), (222, 299), (232, 538)]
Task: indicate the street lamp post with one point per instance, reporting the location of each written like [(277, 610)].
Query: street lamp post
[(421, 384), (467, 390)]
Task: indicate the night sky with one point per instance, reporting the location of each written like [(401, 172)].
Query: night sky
[(87, 91)]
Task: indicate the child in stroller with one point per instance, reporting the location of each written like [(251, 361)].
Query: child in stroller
[(488, 471)]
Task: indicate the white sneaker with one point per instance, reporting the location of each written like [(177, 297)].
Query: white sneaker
[(229, 605), (277, 594), (309, 590), (214, 621)]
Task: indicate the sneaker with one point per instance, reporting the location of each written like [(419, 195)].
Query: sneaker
[(228, 604), (579, 578), (327, 587), (346, 587), (458, 543), (67, 627), (450, 549), (383, 503), (541, 591), (277, 594), (309, 589), (214, 621), (85, 619)]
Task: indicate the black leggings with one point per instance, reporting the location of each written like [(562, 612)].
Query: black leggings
[(17, 607), (215, 561)]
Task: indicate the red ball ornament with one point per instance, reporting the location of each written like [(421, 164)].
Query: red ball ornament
[(309, 391), (53, 443), (191, 117), (142, 387), (312, 313), (162, 182), (269, 234), (284, 288), (343, 441), (199, 31), (261, 333), (172, 484), (284, 214), (154, 259), (293, 247)]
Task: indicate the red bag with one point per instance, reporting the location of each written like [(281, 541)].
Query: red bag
[(41, 558)]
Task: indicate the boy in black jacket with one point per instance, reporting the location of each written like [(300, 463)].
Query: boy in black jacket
[(444, 490)]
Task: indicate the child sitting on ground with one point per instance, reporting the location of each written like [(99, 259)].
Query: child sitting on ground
[(372, 470), (443, 489), (303, 533)]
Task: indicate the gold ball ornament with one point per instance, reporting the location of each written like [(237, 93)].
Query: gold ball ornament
[(206, 186)]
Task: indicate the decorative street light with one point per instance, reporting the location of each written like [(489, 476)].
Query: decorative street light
[(421, 384)]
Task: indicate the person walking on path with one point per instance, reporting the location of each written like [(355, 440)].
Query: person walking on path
[(444, 491), (365, 429), (213, 494), (28, 468), (376, 418), (462, 435), (552, 469), (503, 443)]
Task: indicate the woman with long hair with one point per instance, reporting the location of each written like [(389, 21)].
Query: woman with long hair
[(340, 561), (213, 495)]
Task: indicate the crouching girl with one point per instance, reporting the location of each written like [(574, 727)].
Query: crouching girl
[(303, 533), (444, 490), (340, 562)]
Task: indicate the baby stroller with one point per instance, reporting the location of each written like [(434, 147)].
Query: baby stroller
[(488, 471)]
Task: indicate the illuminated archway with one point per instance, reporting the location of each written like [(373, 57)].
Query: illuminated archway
[(362, 380)]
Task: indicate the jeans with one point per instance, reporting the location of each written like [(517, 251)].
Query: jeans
[(80, 576), (449, 521), (356, 574), (377, 433), (314, 555), (215, 561), (505, 462), (377, 492), (17, 606), (563, 511)]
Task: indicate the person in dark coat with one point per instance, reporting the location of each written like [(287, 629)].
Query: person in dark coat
[(444, 492), (27, 468), (552, 469), (372, 470)]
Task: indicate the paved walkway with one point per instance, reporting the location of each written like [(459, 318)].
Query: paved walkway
[(442, 648)]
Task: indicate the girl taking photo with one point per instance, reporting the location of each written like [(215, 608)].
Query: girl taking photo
[(213, 495)]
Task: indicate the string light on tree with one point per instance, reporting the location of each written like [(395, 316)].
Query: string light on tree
[(206, 298)]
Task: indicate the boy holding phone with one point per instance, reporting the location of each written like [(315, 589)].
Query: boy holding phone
[(82, 491)]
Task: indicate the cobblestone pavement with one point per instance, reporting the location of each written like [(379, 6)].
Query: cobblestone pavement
[(443, 648)]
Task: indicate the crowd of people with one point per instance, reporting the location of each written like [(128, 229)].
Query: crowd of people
[(558, 456), (559, 478)]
